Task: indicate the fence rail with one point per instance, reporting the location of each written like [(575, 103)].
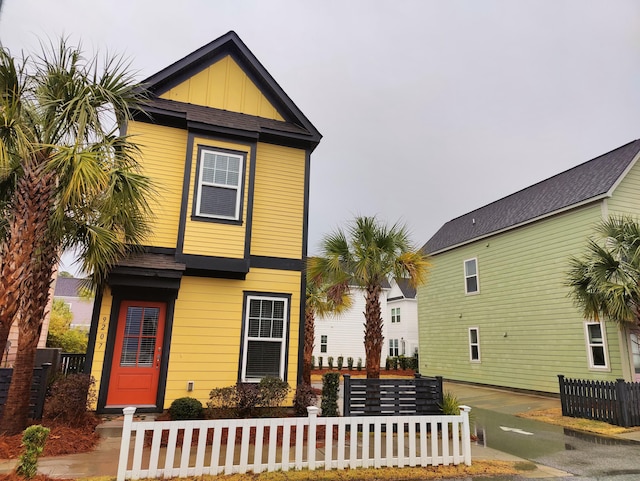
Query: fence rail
[(269, 444), (612, 402), (378, 397)]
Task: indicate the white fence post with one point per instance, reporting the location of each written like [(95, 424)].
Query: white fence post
[(311, 440), (466, 434), (124, 444)]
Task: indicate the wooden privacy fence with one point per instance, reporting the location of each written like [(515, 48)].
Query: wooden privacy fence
[(194, 448), (72, 363), (612, 402), (375, 397), (38, 389)]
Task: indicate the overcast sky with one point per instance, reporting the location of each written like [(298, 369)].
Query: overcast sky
[(429, 109)]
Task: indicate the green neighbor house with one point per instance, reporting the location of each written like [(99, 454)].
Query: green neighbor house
[(496, 310)]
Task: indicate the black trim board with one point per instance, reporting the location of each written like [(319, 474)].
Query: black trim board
[(277, 263)]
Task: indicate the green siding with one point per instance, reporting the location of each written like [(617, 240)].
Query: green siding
[(522, 294), (625, 199)]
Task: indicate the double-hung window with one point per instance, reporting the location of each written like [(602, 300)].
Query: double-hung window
[(323, 343), (219, 185), (474, 344), (393, 347), (265, 337), (395, 314), (471, 284), (596, 345)]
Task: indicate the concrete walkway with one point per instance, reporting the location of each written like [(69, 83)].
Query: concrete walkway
[(104, 460)]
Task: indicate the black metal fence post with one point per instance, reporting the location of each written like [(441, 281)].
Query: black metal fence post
[(346, 395)]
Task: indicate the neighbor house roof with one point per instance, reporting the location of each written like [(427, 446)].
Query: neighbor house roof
[(68, 287), (582, 184), (408, 292)]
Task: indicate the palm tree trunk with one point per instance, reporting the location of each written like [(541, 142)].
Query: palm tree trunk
[(33, 202), (373, 337), (309, 341)]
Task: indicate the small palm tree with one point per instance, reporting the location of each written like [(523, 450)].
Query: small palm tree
[(605, 281), (68, 179), (322, 300), (367, 255)]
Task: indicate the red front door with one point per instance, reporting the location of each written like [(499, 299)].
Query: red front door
[(137, 354)]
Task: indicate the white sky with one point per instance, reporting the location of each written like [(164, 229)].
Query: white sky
[(429, 109)]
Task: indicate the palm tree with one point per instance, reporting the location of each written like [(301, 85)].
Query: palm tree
[(605, 281), (366, 256), (321, 300), (68, 179)]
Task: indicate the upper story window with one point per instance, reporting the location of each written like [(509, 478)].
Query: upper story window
[(323, 343), (219, 184), (395, 314), (596, 345), (471, 284)]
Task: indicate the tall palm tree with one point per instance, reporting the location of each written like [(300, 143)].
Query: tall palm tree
[(322, 300), (605, 281), (367, 255), (68, 179)]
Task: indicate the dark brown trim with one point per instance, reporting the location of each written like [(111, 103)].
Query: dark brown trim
[(213, 264), (186, 180), (277, 263)]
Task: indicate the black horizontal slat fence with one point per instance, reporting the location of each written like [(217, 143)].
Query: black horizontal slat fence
[(38, 389), (375, 397), (612, 402)]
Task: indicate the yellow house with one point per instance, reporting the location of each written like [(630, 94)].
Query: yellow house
[(216, 296)]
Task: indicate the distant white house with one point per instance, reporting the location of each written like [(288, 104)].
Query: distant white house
[(343, 335), (68, 289)]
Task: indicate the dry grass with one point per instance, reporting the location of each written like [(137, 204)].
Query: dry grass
[(554, 416)]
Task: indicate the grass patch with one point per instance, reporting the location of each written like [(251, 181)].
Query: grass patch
[(478, 468), (554, 416)]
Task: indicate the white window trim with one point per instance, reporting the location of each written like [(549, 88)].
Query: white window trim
[(477, 276), (238, 189), (283, 340), (589, 345), (395, 347), (477, 329), (395, 315), (324, 344)]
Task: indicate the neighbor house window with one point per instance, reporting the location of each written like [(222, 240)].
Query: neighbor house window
[(395, 314), (596, 345), (393, 347), (471, 285), (266, 326), (323, 343), (474, 344), (219, 184)]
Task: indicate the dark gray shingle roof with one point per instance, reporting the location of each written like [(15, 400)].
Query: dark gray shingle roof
[(574, 186), (67, 287)]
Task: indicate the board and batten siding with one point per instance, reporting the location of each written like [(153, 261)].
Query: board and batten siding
[(224, 85), (206, 333), (200, 233), (162, 150), (278, 202), (529, 329)]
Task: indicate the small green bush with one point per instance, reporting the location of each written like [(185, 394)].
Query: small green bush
[(450, 404), (273, 391), (320, 362), (394, 363), (33, 440), (403, 362), (359, 365), (305, 396), (340, 362), (244, 399), (185, 408), (222, 403), (350, 363), (330, 386), (330, 362), (387, 363)]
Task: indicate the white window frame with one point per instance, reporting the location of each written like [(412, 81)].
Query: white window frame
[(395, 314), (590, 345), (201, 182), (476, 344), (476, 275), (324, 343), (246, 338), (394, 347)]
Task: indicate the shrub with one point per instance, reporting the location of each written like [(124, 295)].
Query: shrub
[(330, 362), (185, 408), (330, 385), (350, 363), (222, 403), (33, 440), (69, 399), (387, 363), (359, 365), (394, 363), (450, 404), (273, 391), (305, 396), (403, 361), (340, 362), (320, 362), (247, 399)]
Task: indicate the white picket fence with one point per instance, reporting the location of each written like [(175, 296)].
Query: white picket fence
[(272, 444)]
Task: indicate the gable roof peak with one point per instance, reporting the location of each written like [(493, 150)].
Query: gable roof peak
[(583, 183)]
